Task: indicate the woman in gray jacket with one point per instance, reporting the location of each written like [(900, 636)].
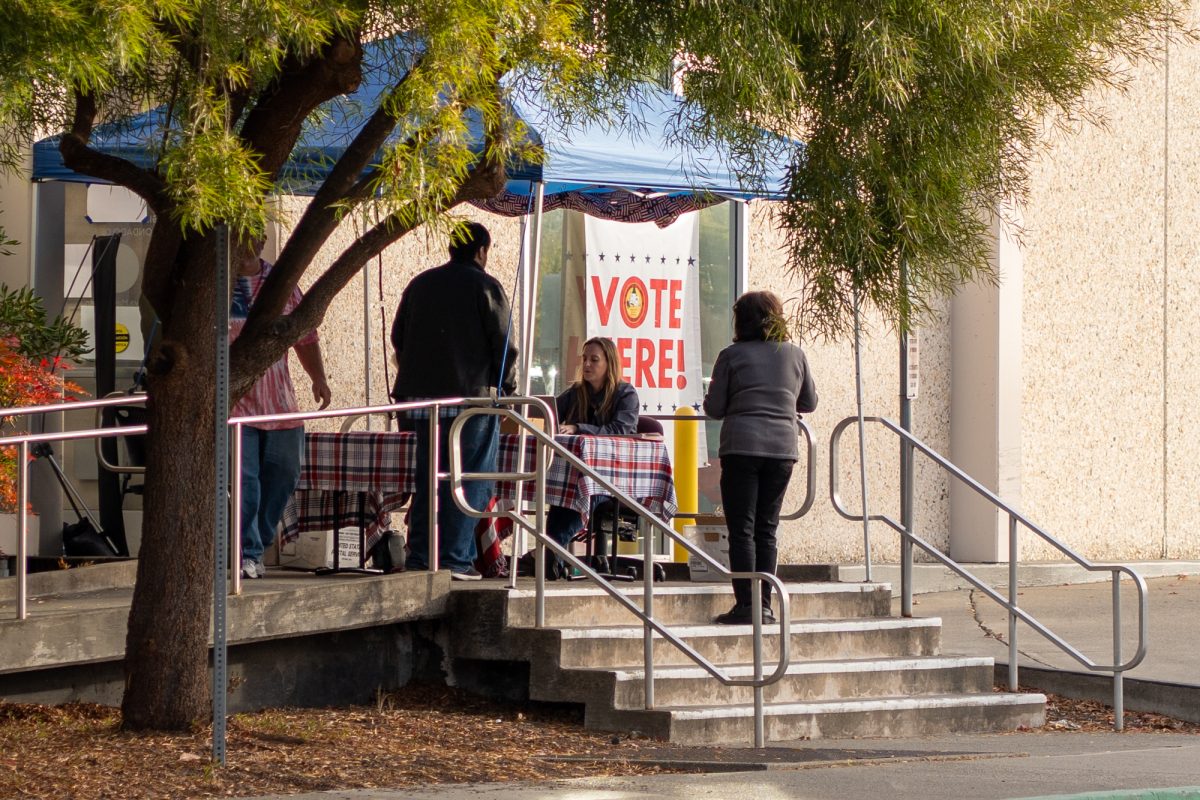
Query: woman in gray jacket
[(759, 385)]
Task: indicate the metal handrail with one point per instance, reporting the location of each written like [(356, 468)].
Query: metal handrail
[(810, 492), (545, 443), (434, 407), (1118, 668), (22, 442)]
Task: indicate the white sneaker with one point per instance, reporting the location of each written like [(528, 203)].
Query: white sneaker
[(249, 568)]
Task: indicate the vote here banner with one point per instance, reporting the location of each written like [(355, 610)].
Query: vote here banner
[(642, 290)]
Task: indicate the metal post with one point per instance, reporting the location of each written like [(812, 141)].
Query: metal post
[(862, 438), (760, 736), (221, 496), (648, 610), (539, 500), (366, 310), (22, 529), (1013, 558), (434, 457), (906, 459), (906, 476), (1118, 675), (235, 528), (529, 309)]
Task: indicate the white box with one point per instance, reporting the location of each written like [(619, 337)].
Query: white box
[(314, 550), (714, 541)]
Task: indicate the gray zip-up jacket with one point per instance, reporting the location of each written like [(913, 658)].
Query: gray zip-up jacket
[(758, 388)]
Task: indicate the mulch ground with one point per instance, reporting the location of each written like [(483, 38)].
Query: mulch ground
[(421, 735)]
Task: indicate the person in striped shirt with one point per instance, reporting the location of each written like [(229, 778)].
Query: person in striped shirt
[(271, 451)]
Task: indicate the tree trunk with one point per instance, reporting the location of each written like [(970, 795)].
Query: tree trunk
[(166, 649)]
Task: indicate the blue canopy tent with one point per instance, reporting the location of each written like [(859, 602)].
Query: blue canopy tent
[(636, 173), (644, 157)]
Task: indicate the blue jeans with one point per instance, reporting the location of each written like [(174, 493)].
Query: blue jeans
[(270, 472), (480, 441)]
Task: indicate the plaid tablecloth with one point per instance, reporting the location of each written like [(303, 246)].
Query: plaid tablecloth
[(381, 465)]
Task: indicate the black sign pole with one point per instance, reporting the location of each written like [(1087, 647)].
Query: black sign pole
[(104, 296)]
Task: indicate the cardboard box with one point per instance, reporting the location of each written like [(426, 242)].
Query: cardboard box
[(8, 534), (314, 550), (508, 426), (713, 539)]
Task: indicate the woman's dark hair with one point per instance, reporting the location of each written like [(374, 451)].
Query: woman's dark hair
[(469, 240), (758, 316), (608, 392)]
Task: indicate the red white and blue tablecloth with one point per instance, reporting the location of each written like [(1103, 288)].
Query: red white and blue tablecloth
[(378, 470)]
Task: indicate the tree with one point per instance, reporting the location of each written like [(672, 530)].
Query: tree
[(920, 119), (238, 82), (918, 114)]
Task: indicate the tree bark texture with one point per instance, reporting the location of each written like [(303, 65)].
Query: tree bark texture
[(167, 683)]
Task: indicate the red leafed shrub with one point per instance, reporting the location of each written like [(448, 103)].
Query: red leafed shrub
[(25, 382)]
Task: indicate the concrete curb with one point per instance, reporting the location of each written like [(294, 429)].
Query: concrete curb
[(1177, 700), (928, 578), (92, 578)]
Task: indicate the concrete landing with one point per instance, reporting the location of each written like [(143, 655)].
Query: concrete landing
[(79, 616)]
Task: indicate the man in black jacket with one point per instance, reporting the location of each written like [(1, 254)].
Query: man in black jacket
[(451, 336)]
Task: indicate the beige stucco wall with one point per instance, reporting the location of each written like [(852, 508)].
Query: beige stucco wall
[(1111, 372), (16, 209), (823, 535)]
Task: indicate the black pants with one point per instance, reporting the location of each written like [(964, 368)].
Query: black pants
[(752, 489)]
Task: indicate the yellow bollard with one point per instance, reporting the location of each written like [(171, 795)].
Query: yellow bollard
[(687, 472)]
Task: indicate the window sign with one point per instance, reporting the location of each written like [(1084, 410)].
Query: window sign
[(642, 291), (704, 314)]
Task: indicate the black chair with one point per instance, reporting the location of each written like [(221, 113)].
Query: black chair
[(609, 524), (132, 464)]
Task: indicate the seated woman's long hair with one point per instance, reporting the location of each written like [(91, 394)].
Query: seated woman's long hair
[(608, 392)]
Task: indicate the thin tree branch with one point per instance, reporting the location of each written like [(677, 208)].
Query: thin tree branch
[(345, 183), (88, 161), (275, 122), (255, 350)]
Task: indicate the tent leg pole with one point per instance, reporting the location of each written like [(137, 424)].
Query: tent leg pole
[(533, 274)]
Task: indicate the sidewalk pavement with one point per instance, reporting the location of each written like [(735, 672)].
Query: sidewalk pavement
[(988, 767), (1163, 766)]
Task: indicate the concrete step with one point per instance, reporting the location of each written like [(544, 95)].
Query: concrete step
[(804, 681), (870, 717), (585, 605), (733, 644)]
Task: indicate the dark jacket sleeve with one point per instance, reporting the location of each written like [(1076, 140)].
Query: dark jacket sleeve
[(495, 315), (564, 403), (398, 336), (717, 398), (624, 415), (806, 401)]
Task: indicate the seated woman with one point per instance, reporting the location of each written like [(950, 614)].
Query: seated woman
[(598, 404)]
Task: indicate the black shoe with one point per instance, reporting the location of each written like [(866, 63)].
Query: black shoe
[(740, 615)]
